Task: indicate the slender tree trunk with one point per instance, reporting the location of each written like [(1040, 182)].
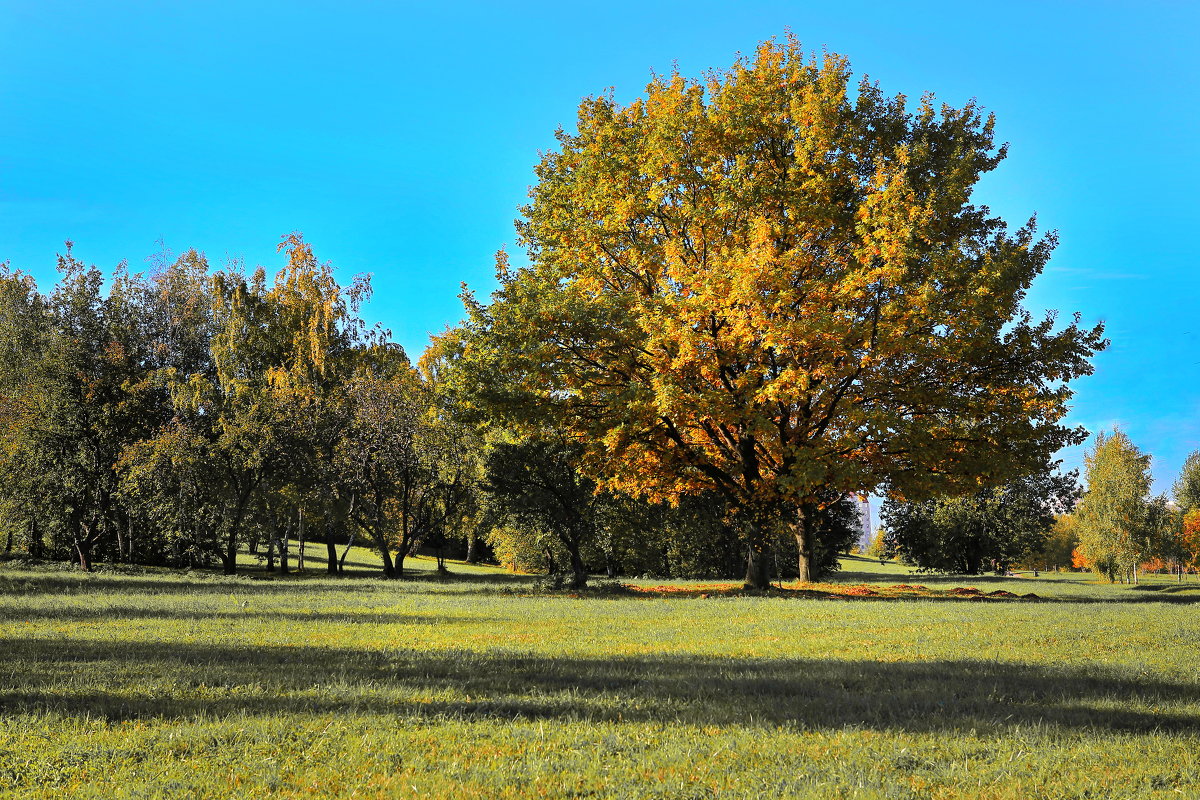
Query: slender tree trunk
[(9, 545), (389, 569), (472, 547), (342, 561), (300, 545), (83, 550), (804, 547), (271, 554), (331, 559), (82, 537), (284, 566)]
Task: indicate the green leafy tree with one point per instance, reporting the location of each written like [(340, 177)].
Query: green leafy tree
[(772, 286), (90, 403), (993, 528), (1057, 551), (1112, 520), (537, 484), (394, 457), (1187, 486), (25, 338)]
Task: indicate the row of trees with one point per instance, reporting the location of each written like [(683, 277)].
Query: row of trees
[(185, 415), (1120, 528), (179, 416), (1047, 521), (747, 298)]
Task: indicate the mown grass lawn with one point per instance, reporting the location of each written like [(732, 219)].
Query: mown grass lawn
[(155, 684)]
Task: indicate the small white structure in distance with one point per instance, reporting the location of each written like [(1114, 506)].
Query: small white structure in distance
[(864, 521)]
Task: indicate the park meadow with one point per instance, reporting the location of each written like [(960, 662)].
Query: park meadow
[(132, 682), (609, 535)]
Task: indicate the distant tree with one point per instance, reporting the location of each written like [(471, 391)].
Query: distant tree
[(877, 547), (1113, 517), (1189, 540), (990, 529), (773, 286), (1187, 486), (381, 458), (1161, 535), (1057, 551), (90, 403), (25, 338), (464, 507), (538, 485)]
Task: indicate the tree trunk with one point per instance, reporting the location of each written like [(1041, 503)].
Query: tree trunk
[(758, 567), (804, 547), (579, 573), (300, 545), (83, 550), (472, 549), (389, 569), (342, 561), (284, 567), (271, 554), (229, 559), (8, 545), (331, 559)]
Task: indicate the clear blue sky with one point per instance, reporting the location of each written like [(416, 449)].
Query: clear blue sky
[(400, 139)]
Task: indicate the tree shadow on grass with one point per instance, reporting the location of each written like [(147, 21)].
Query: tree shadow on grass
[(36, 583), (110, 613), (121, 681)]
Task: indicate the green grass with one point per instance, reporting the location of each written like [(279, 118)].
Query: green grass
[(146, 683)]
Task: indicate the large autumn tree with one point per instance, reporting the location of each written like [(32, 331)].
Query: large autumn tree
[(773, 284)]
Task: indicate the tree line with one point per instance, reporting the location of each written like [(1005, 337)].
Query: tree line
[(184, 415), (747, 298), (1112, 525)]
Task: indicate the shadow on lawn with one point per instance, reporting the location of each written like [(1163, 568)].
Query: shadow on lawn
[(83, 613), (246, 583), (119, 681)]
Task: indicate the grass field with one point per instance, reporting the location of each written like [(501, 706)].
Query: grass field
[(155, 684)]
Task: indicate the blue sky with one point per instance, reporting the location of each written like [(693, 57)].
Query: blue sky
[(400, 139)]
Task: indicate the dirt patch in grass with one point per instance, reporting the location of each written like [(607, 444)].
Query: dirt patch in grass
[(823, 591)]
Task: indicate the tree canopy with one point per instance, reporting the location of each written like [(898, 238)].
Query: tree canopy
[(773, 284)]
